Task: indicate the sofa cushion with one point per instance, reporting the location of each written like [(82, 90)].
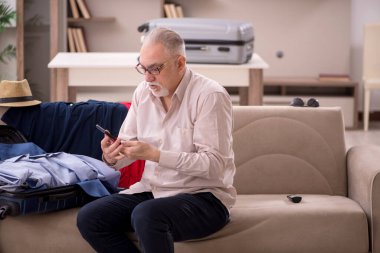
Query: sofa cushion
[(284, 149), (271, 223), (259, 223), (43, 233)]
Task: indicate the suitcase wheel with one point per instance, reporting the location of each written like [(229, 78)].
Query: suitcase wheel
[(4, 210), (8, 207)]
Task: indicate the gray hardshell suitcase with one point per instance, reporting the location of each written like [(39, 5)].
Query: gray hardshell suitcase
[(210, 40)]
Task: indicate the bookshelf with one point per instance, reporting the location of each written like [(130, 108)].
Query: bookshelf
[(173, 10), (112, 27), (79, 14), (342, 93), (90, 20)]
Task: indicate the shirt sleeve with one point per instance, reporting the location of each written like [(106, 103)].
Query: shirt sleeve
[(212, 138), (128, 129)]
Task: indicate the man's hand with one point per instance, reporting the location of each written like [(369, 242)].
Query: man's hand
[(111, 150), (139, 150)]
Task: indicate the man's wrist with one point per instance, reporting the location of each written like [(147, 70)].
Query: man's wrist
[(156, 155), (107, 162)]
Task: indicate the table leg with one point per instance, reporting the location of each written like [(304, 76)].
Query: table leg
[(255, 89), (61, 90), (243, 95), (367, 97), (53, 84), (356, 104), (72, 94)]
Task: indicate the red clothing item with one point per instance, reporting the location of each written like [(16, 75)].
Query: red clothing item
[(133, 172)]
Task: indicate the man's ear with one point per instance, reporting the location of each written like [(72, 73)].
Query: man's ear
[(181, 62)]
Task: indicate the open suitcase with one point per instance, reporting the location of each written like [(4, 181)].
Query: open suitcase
[(42, 201), (39, 201), (210, 40)]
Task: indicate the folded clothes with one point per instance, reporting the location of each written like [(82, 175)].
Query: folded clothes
[(16, 149), (51, 170)]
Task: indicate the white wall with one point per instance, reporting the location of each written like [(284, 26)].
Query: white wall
[(121, 35), (301, 28), (363, 12), (314, 35)]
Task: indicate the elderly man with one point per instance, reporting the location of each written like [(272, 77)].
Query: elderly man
[(181, 123)]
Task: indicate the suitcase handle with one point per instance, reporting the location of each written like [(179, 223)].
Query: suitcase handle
[(196, 48), (60, 196), (143, 28)]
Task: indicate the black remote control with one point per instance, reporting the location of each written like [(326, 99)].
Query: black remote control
[(294, 198)]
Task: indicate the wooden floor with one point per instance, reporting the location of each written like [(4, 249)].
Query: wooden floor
[(360, 137)]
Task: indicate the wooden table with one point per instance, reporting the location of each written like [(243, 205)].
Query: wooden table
[(102, 70)]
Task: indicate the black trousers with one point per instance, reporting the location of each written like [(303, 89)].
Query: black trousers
[(157, 223)]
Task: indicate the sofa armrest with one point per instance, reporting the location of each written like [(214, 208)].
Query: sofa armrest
[(363, 168)]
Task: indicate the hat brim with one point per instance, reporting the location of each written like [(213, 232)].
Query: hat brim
[(21, 104)]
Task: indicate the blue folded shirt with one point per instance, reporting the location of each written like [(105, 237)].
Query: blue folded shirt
[(16, 149)]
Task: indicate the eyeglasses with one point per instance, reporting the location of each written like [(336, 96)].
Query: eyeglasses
[(154, 70)]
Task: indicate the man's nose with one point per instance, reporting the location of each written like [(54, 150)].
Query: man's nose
[(149, 77)]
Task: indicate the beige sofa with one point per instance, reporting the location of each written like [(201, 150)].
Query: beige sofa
[(279, 151)]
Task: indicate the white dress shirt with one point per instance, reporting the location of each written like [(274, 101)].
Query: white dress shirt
[(194, 138)]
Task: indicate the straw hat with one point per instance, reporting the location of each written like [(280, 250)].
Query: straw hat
[(16, 94)]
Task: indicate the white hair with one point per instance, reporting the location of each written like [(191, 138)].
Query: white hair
[(171, 40)]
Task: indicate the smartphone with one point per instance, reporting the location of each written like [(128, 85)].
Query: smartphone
[(106, 132)]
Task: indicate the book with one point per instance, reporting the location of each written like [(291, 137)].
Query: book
[(82, 41), (76, 39), (333, 77), (84, 9), (70, 38), (167, 11), (74, 8), (179, 11), (173, 11), (69, 11)]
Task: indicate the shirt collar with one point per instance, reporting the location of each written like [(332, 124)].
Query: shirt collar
[(181, 89)]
